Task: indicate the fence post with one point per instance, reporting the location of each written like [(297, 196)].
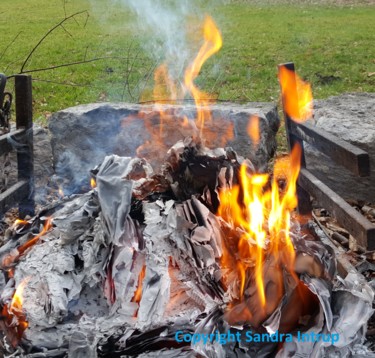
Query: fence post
[(304, 202), (25, 152)]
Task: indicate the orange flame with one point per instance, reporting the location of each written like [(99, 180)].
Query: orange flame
[(296, 94), (253, 130), (14, 316), (168, 127), (212, 44), (17, 300), (9, 259), (138, 293), (264, 218)]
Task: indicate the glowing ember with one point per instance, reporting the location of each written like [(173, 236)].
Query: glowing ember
[(138, 293), (296, 94)]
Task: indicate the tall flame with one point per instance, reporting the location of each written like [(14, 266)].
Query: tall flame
[(212, 44), (168, 127), (264, 217), (297, 95)]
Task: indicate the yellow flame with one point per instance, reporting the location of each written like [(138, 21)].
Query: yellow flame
[(265, 219), (17, 300), (92, 183)]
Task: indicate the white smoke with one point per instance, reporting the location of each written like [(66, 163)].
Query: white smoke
[(166, 25)]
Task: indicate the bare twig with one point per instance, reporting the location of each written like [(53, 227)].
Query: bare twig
[(130, 69), (64, 83), (9, 44), (126, 78), (149, 73), (48, 33), (69, 34), (64, 6), (72, 64)]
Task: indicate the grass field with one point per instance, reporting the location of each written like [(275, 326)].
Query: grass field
[(332, 46)]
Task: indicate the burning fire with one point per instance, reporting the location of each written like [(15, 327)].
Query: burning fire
[(296, 94), (264, 218), (10, 259), (168, 128), (14, 316), (212, 44), (92, 183), (257, 208)]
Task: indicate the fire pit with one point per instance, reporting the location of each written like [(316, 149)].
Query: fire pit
[(187, 250)]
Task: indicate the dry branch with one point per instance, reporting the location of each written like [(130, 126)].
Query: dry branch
[(60, 24)]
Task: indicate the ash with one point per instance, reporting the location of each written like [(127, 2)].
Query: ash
[(137, 259)]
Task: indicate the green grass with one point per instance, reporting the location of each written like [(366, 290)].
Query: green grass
[(322, 40)]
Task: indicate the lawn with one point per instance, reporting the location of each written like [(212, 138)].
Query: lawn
[(331, 45)]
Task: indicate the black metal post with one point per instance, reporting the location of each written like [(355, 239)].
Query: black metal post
[(25, 152)]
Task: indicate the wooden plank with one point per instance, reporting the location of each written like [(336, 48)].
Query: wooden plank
[(5, 146), (13, 195), (25, 158), (355, 223), (349, 156)]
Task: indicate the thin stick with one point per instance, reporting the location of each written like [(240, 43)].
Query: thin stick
[(72, 64), (47, 34), (9, 44)]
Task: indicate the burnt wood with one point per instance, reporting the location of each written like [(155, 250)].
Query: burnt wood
[(343, 153), (25, 156), (353, 221)]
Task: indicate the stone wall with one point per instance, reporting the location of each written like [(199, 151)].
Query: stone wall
[(82, 136)]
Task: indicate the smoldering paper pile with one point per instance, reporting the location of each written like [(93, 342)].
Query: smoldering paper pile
[(145, 255)]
